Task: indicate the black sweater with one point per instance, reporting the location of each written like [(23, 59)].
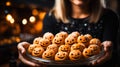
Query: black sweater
[(105, 29)]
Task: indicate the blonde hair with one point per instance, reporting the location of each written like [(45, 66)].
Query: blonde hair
[(61, 10)]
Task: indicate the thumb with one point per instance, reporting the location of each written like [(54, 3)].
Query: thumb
[(104, 46), (21, 48), (107, 45)]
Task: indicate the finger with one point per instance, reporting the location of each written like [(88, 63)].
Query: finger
[(103, 58), (107, 45), (21, 46), (27, 62), (25, 44)]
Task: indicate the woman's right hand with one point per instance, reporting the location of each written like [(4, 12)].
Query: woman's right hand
[(21, 50)]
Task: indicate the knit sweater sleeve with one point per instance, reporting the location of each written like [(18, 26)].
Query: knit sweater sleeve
[(111, 22)]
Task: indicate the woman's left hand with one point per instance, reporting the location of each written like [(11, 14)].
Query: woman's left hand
[(107, 45)]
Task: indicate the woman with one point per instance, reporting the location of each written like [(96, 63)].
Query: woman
[(84, 16)]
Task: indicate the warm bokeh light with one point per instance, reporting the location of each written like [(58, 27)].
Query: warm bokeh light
[(8, 17), (8, 3), (24, 21), (18, 39), (41, 15), (38, 26), (12, 21), (35, 12), (32, 19)]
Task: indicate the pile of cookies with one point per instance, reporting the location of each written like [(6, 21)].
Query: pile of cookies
[(64, 46)]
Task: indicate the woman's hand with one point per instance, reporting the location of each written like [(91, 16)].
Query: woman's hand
[(22, 46), (21, 50), (107, 45)]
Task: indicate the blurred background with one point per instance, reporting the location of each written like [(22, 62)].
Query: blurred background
[(21, 20)]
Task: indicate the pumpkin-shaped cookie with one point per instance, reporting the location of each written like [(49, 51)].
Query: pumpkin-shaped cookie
[(37, 40), (37, 52), (78, 46), (70, 40), (88, 36), (48, 36), (48, 55), (95, 41), (62, 34), (73, 36), (53, 47), (95, 48), (64, 48), (88, 53), (58, 40), (31, 47), (44, 43), (75, 55), (61, 56), (84, 40), (76, 33)]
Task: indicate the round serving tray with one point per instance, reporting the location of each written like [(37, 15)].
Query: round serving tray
[(84, 61)]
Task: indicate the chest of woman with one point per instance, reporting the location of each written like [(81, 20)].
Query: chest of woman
[(83, 27)]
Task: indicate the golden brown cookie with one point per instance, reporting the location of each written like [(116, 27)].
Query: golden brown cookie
[(70, 40), (64, 48), (30, 48), (48, 55), (58, 40), (75, 55), (61, 56), (95, 41), (48, 36), (95, 48), (37, 52), (37, 40), (62, 34), (76, 33), (84, 40), (78, 46), (87, 53), (53, 47), (88, 36), (44, 43)]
